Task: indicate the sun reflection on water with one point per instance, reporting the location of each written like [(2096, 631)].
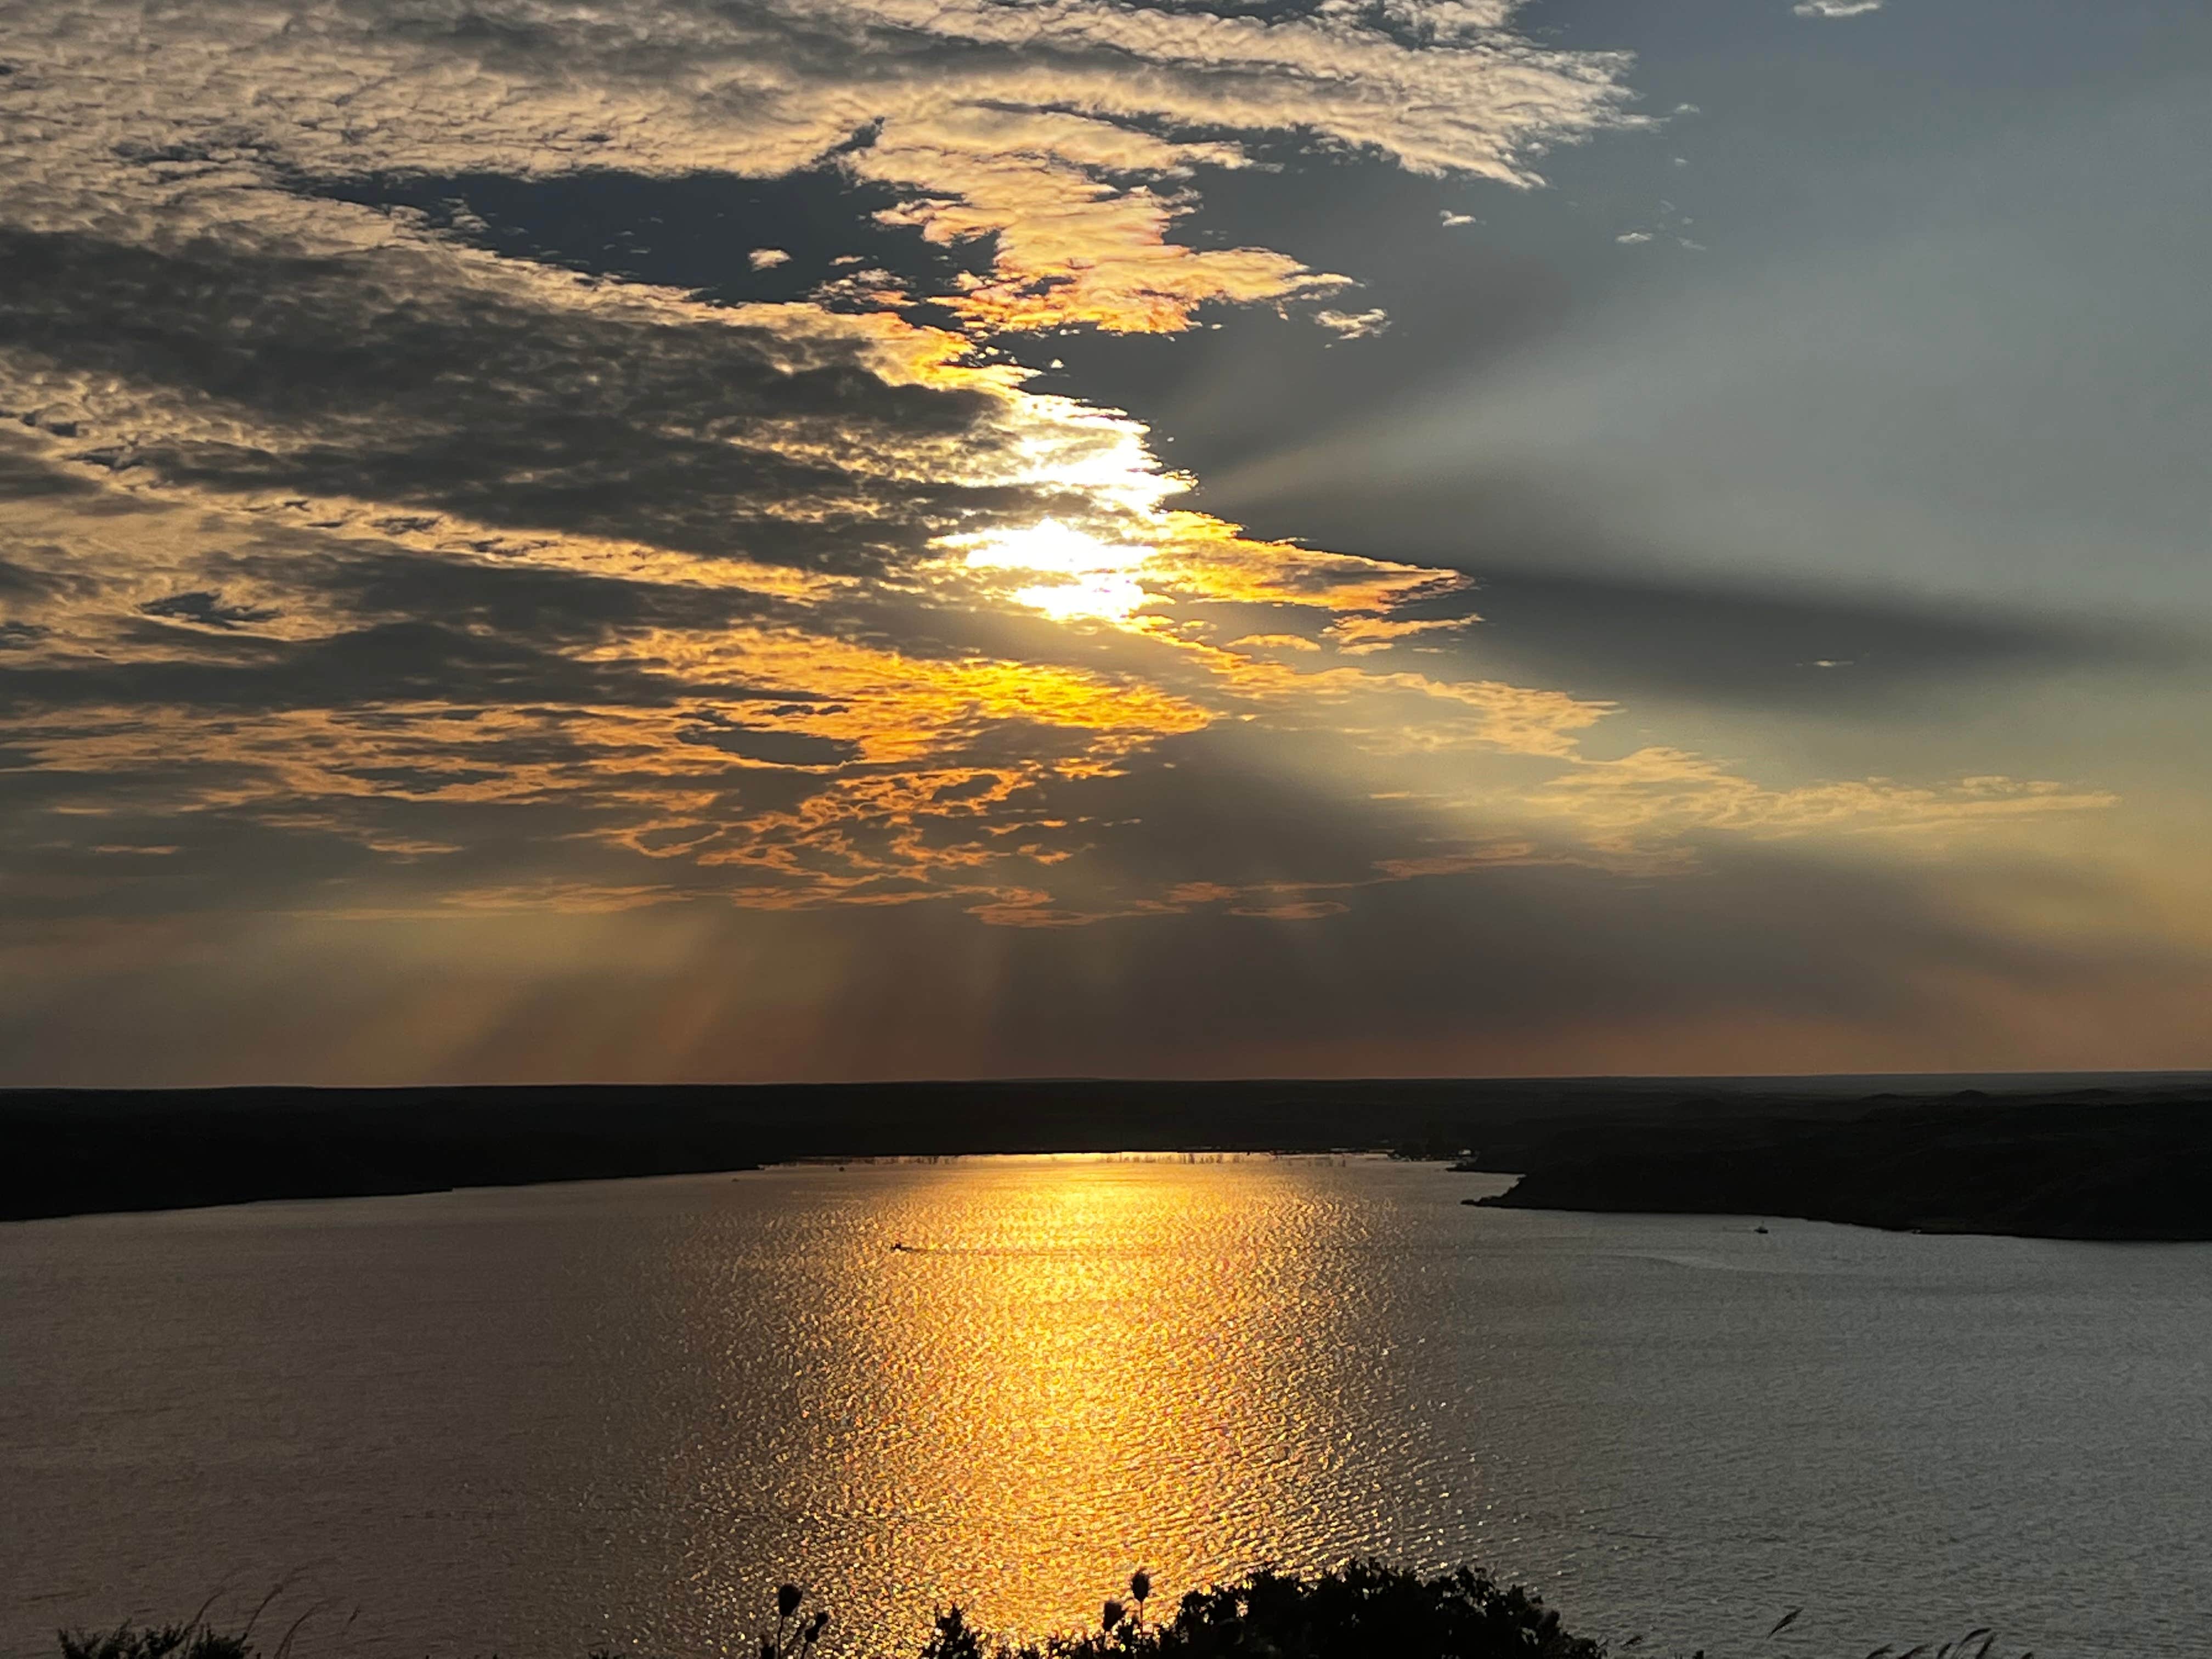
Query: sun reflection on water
[(1069, 1368)]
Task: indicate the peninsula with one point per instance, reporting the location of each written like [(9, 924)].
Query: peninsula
[(2086, 1163)]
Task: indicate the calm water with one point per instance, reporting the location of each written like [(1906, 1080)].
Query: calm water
[(532, 1421)]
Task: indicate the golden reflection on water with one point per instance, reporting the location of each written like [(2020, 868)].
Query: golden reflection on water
[(1074, 1368), (534, 1421)]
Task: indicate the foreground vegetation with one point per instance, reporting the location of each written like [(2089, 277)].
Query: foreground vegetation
[(1362, 1611)]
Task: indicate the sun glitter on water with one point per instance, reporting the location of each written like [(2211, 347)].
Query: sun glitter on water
[(1086, 578)]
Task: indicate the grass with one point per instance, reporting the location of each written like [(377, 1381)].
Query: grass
[(196, 1638)]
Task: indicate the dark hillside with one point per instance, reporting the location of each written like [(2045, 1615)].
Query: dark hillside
[(2093, 1164)]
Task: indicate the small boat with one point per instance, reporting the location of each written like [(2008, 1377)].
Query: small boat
[(1758, 1229)]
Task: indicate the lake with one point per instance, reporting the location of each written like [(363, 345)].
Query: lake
[(532, 1421)]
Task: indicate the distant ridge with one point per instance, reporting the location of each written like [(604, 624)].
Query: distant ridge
[(1649, 1143)]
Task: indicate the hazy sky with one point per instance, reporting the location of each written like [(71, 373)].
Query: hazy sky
[(818, 538)]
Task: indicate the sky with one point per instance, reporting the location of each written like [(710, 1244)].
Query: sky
[(657, 540)]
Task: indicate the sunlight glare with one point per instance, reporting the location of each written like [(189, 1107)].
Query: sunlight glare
[(1088, 579)]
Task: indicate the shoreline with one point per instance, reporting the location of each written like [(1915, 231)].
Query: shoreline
[(2111, 1161)]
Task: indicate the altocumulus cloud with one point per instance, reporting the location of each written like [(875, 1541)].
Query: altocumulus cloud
[(357, 567)]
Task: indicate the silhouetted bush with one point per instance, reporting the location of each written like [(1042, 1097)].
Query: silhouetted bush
[(127, 1641), (1364, 1611)]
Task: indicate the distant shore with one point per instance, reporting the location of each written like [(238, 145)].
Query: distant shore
[(2100, 1164), (2071, 1157)]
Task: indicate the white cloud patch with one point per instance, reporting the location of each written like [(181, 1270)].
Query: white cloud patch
[(1353, 325), (1836, 8), (767, 259)]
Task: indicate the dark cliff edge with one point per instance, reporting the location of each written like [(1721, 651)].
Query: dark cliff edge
[(2113, 1164)]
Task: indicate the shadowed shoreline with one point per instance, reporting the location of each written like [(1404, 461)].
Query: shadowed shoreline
[(2071, 1157), (2096, 1164)]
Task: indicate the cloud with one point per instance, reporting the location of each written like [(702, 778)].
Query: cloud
[(1645, 804), (1357, 635), (205, 609), (1353, 325), (1836, 8), (1060, 132), (387, 571), (1591, 616)]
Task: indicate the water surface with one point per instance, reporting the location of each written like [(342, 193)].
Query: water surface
[(530, 1421)]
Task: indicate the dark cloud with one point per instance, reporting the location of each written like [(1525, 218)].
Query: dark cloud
[(403, 662), (21, 583), (26, 478), (778, 748), (1610, 634), (550, 606), (206, 609), (1565, 603), (515, 416)]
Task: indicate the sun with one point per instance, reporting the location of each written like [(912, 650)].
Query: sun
[(1086, 578)]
